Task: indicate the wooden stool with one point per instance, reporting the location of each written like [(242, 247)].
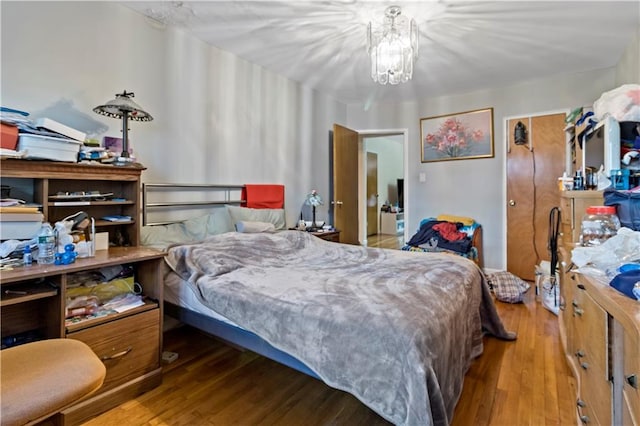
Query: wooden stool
[(40, 379)]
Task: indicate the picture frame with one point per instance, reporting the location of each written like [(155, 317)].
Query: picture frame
[(460, 136)]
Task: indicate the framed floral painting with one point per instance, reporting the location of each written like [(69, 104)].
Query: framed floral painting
[(460, 136)]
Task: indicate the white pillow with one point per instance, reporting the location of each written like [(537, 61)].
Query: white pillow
[(161, 236), (253, 227), (219, 222), (245, 214)]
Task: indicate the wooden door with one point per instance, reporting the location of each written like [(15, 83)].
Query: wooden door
[(372, 193), (345, 183), (532, 190)]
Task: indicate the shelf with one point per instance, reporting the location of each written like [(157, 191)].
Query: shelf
[(88, 203), (79, 323), (25, 293)]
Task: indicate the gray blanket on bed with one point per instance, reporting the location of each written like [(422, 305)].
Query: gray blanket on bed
[(396, 329)]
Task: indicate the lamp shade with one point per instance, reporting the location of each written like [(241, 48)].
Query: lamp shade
[(125, 108), (121, 105)]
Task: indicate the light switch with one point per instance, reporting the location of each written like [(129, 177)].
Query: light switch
[(422, 177)]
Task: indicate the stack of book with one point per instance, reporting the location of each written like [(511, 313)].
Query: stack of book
[(20, 222)]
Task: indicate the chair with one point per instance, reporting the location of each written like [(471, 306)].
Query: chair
[(470, 227), (39, 379)]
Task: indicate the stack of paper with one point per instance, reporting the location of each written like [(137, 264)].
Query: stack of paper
[(54, 126)]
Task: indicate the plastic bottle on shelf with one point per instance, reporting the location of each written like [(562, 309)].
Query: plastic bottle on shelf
[(598, 225), (27, 256), (46, 245)]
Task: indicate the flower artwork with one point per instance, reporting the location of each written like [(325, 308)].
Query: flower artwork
[(457, 136)]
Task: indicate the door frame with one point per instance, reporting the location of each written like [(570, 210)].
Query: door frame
[(362, 184), (505, 132)]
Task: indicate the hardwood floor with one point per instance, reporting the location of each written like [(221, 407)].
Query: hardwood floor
[(526, 382)]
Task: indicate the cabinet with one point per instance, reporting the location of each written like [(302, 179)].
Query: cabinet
[(391, 223), (600, 333), (573, 205), (129, 343), (43, 182)]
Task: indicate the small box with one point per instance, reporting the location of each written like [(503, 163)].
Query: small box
[(114, 144), (102, 241), (8, 136), (48, 148)]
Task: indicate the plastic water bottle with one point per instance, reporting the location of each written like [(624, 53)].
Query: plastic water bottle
[(46, 245), (27, 256)]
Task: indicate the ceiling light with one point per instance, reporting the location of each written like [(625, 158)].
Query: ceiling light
[(392, 46)]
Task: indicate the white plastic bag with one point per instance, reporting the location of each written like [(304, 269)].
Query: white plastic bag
[(622, 248), (622, 103)]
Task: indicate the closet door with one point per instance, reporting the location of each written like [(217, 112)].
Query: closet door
[(533, 169)]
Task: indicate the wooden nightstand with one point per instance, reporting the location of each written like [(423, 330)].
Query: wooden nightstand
[(333, 236)]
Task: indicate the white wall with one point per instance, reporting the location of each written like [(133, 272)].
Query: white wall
[(628, 68), (217, 118), (476, 188)]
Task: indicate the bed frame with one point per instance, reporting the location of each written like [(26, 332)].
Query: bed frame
[(217, 197)]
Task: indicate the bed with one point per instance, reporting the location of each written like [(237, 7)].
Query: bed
[(396, 329)]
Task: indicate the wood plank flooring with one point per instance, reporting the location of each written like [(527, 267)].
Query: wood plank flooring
[(526, 382)]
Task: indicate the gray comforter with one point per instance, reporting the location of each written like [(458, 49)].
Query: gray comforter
[(396, 329)]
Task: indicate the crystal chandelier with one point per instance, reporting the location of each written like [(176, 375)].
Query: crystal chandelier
[(393, 47)]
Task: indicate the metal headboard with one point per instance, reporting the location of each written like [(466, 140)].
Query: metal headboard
[(224, 193)]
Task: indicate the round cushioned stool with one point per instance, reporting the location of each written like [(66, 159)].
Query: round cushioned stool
[(39, 379)]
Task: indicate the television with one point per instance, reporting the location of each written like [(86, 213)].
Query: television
[(400, 183)]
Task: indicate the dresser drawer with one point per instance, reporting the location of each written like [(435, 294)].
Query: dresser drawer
[(631, 372), (129, 347), (592, 331), (595, 391)]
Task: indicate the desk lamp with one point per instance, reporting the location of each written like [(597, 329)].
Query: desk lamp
[(124, 107)]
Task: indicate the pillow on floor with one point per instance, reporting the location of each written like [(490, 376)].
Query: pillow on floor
[(507, 287)]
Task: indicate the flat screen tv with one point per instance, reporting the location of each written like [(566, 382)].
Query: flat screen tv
[(401, 193)]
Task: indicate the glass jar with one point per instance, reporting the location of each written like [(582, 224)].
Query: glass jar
[(598, 225)]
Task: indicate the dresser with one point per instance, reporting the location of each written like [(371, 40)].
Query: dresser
[(600, 333), (573, 205)]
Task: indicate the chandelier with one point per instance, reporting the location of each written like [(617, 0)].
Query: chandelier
[(392, 46)]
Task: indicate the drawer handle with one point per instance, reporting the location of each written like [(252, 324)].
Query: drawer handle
[(584, 365), (581, 286), (632, 380), (578, 311), (580, 353), (581, 403), (117, 355), (574, 303), (584, 419)]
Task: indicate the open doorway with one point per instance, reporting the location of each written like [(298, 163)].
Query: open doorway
[(348, 181), (382, 186)]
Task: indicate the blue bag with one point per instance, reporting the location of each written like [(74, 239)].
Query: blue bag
[(628, 283), (627, 205)]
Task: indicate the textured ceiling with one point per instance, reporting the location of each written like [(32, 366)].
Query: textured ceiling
[(464, 45)]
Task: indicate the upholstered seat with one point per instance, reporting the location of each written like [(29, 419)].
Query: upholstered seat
[(39, 379)]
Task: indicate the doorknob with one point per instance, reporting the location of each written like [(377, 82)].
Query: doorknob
[(512, 203), (339, 203)]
